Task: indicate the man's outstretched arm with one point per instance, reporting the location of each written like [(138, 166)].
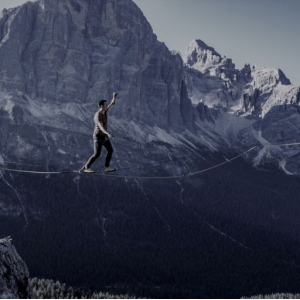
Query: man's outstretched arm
[(113, 101)]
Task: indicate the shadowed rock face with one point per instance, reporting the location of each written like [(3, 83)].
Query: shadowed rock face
[(14, 275), (82, 51)]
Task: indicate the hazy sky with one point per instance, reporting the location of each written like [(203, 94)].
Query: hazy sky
[(261, 32)]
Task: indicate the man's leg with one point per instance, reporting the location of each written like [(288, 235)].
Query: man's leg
[(107, 145), (97, 152)]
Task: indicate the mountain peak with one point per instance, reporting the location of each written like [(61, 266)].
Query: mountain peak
[(72, 51), (199, 44), (202, 57)]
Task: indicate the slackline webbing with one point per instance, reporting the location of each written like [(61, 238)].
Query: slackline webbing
[(152, 177)]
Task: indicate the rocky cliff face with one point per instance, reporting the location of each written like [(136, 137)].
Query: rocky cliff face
[(78, 52), (14, 275), (211, 78)]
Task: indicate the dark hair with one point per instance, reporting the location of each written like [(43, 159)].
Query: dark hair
[(101, 102)]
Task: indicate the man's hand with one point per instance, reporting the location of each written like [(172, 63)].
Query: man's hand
[(113, 101), (109, 135), (115, 95)]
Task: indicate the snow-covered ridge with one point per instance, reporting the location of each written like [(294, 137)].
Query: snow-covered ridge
[(244, 106)]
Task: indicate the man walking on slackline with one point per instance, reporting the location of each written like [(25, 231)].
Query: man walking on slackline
[(101, 137)]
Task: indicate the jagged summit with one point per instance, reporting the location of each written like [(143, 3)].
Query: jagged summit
[(269, 77), (200, 53), (199, 45), (206, 59)]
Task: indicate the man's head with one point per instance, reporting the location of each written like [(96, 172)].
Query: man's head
[(102, 104)]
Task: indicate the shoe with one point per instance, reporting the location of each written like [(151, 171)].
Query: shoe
[(82, 169), (86, 170), (109, 169)]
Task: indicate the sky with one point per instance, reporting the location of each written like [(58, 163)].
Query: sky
[(261, 32)]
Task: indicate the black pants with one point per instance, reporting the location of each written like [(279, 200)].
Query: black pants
[(97, 151)]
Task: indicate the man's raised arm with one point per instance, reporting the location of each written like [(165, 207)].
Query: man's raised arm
[(113, 101)]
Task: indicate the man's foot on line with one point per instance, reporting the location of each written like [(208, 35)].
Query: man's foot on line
[(81, 170), (84, 169), (109, 169)]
